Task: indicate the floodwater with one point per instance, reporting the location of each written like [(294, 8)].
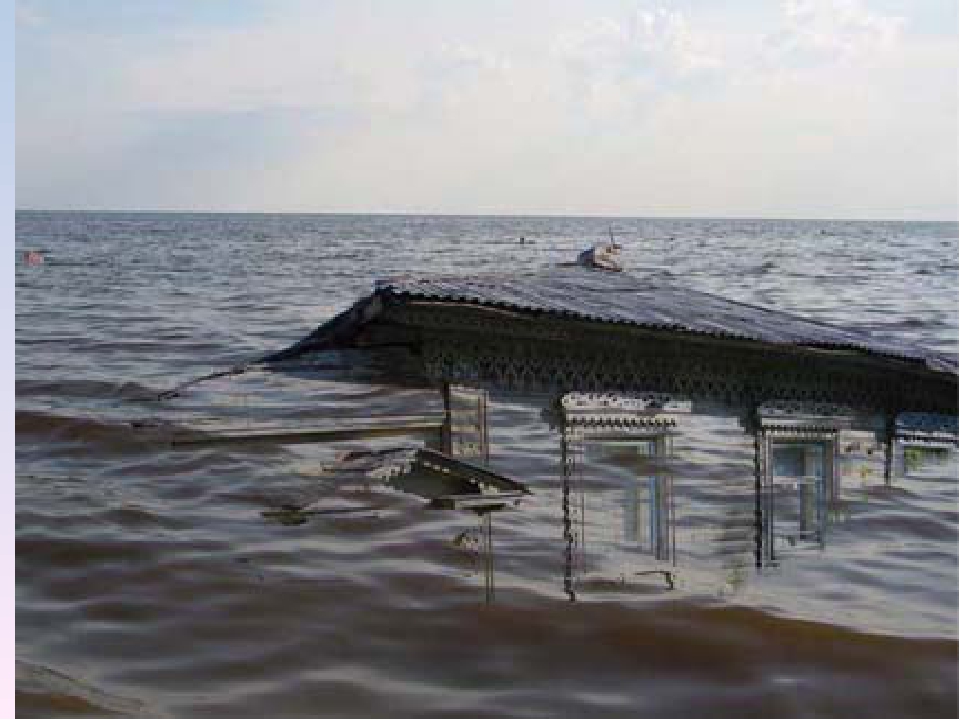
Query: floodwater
[(150, 582)]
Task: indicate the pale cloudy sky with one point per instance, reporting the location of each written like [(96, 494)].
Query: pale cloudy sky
[(803, 108)]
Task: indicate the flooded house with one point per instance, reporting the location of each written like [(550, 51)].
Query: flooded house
[(686, 439)]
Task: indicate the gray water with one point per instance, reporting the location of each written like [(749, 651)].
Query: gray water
[(149, 582)]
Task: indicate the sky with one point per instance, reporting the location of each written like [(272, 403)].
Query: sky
[(801, 108)]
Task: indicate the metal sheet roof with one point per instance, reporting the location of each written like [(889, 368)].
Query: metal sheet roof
[(620, 298)]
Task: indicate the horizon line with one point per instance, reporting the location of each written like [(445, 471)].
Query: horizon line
[(479, 215)]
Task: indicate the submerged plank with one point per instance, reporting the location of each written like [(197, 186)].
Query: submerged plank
[(384, 427)]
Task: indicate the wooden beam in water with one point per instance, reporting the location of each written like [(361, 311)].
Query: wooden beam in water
[(384, 427)]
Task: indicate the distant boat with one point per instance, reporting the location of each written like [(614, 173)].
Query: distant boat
[(601, 257)]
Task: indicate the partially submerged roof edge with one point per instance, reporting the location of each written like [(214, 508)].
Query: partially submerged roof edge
[(333, 332), (338, 331)]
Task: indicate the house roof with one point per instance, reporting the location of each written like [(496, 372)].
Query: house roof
[(623, 299)]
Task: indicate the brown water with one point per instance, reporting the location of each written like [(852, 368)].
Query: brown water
[(149, 582)]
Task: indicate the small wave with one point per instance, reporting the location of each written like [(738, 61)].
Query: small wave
[(84, 388), (79, 429), (763, 268), (42, 692)]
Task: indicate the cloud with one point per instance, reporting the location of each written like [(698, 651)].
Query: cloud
[(650, 38), (834, 31), (805, 108), (616, 65), (27, 15)]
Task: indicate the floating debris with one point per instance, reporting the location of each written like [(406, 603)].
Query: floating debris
[(288, 514), (445, 482)]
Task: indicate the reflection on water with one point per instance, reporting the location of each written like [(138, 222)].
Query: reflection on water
[(629, 516), (616, 461), (635, 514), (918, 457)]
